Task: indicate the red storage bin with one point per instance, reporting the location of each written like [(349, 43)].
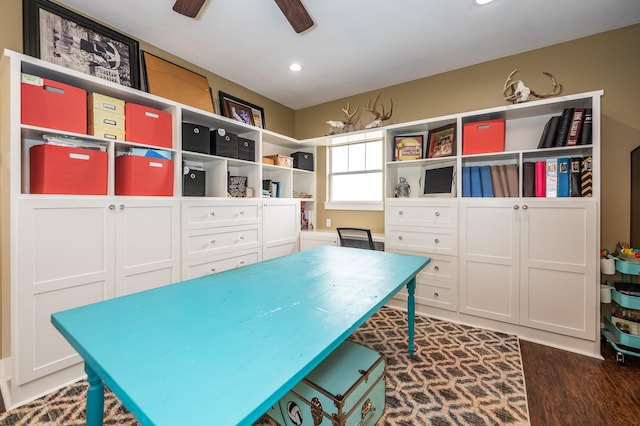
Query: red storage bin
[(47, 103), (147, 125), (58, 169), (483, 136), (137, 175)]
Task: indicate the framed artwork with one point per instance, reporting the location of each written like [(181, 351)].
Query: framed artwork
[(62, 37), (242, 111), (171, 81), (408, 147), (442, 141)]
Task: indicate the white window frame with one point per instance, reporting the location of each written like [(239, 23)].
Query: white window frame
[(373, 205)]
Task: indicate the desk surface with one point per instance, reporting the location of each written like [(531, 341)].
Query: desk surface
[(223, 349)]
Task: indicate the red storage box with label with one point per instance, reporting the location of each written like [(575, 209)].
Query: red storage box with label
[(147, 125), (483, 136), (55, 169), (137, 175), (47, 103)]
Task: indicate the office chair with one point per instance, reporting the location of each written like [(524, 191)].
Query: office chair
[(355, 237)]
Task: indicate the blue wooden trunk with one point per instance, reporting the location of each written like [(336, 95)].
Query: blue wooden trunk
[(346, 389)]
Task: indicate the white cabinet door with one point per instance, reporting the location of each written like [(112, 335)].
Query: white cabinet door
[(65, 258), (490, 258), (558, 281), (280, 227), (311, 239), (147, 244)]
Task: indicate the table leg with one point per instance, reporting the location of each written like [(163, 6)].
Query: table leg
[(95, 398), (411, 312)]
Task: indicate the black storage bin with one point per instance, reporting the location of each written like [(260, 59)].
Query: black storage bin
[(193, 182), (224, 144), (246, 149), (303, 160), (195, 138)]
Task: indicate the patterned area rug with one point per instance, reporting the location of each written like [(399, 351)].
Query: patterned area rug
[(459, 376)]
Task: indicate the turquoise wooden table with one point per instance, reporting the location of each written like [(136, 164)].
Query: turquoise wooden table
[(222, 349)]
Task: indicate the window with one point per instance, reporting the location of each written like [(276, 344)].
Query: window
[(354, 174)]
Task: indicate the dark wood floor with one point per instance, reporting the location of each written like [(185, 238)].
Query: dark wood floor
[(566, 389)]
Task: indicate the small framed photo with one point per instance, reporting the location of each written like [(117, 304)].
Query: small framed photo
[(242, 111), (60, 36), (442, 141), (408, 147)]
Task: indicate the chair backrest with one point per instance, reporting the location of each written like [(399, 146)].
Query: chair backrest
[(356, 237)]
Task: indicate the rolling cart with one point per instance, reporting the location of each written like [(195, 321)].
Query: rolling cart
[(625, 343)]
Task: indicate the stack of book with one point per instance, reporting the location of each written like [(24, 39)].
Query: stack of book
[(557, 177), (490, 181), (571, 128)]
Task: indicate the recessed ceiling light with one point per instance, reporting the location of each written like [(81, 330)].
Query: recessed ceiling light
[(295, 67), (482, 2)]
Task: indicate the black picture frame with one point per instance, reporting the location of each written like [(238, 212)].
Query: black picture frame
[(241, 111), (60, 36), (442, 142)]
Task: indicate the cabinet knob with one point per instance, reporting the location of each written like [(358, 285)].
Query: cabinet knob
[(212, 242), (112, 206), (524, 207), (400, 237), (121, 206), (436, 240), (435, 295), (436, 268), (213, 270), (437, 213), (241, 211), (241, 263), (241, 237), (516, 207), (212, 214), (400, 212)]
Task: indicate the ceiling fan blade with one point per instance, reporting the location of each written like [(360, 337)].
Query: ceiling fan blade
[(188, 8), (296, 14)]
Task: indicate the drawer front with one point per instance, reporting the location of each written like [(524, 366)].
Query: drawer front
[(205, 215), (221, 240), (196, 270), (422, 239), (421, 214)]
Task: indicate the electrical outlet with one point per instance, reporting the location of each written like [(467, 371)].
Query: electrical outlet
[(328, 223)]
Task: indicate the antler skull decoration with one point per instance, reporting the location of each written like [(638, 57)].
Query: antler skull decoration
[(344, 125), (379, 116), (515, 91)]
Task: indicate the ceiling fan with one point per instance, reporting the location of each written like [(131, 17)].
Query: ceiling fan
[(293, 10)]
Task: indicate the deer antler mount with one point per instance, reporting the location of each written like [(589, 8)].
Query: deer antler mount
[(343, 126), (515, 90), (379, 116)]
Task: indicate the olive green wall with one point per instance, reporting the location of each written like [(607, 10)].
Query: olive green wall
[(609, 61)]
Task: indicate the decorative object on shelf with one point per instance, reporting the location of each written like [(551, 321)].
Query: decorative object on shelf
[(379, 116), (344, 125), (62, 37), (403, 189), (516, 92), (408, 147), (237, 186), (172, 81), (442, 141), (242, 111)]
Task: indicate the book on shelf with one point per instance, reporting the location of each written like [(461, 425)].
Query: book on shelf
[(548, 137), (466, 181), (552, 177), (575, 179), (502, 168), (529, 179), (541, 178), (585, 134), (563, 127), (486, 181), (586, 177), (563, 177), (498, 188), (476, 182), (573, 136), (511, 172)]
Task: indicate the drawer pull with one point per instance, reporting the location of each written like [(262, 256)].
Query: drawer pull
[(436, 240), (241, 263), (437, 213), (241, 211), (516, 207), (213, 270), (212, 242), (112, 206), (435, 295), (212, 214), (524, 207), (121, 206), (400, 237), (241, 237), (436, 268), (400, 212)]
